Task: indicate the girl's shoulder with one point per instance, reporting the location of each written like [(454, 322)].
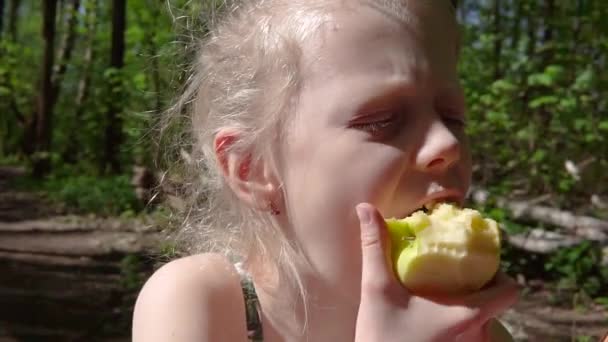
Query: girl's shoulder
[(196, 298)]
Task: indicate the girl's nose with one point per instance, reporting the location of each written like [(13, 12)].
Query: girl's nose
[(439, 149)]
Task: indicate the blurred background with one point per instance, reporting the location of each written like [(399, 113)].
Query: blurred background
[(84, 215)]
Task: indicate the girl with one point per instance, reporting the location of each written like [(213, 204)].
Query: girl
[(313, 120)]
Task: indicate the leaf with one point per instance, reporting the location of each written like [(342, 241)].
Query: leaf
[(539, 156), (139, 80), (503, 85), (581, 124), (583, 81), (540, 80), (4, 91), (568, 103), (565, 185), (554, 71), (590, 138), (543, 101)]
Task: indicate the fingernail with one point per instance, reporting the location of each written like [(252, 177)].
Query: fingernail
[(364, 215)]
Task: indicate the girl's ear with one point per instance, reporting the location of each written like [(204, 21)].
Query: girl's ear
[(252, 181)]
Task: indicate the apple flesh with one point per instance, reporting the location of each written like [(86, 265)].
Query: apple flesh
[(447, 251)]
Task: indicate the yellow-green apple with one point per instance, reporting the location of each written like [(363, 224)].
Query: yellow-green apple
[(446, 251)]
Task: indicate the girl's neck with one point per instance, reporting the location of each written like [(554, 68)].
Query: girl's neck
[(330, 316)]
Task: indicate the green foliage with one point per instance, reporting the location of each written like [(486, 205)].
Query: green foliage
[(583, 338), (105, 196), (548, 103), (168, 251), (11, 160), (132, 272), (602, 301), (580, 268), (535, 102), (111, 195)]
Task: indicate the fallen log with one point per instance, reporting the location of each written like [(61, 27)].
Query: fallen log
[(585, 227), (542, 241)]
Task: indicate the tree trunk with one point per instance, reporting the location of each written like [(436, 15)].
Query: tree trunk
[(578, 20), (530, 53), (70, 154), (544, 115), (1, 17), (462, 13), (10, 33), (45, 97), (516, 35), (549, 14), (113, 132), (13, 12), (497, 39), (65, 48)]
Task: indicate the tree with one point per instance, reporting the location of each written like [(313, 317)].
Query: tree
[(497, 39), (113, 130), (1, 17), (44, 112), (70, 154), (65, 48), (13, 12)]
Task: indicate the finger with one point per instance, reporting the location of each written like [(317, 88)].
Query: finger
[(376, 273), (494, 300), (474, 310), (463, 318)]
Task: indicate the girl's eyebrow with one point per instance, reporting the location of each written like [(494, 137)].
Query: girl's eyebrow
[(397, 89), (394, 11), (387, 95), (453, 93), (396, 92)]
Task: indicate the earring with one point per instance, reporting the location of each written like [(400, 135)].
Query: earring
[(273, 208)]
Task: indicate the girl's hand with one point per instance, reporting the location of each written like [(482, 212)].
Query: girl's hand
[(389, 313)]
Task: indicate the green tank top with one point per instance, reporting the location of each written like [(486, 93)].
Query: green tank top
[(252, 307)]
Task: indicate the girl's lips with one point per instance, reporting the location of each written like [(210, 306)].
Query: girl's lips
[(455, 196), (430, 205)]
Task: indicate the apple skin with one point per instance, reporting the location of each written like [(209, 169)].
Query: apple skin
[(449, 251)]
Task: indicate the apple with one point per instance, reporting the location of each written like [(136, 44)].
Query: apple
[(446, 251)]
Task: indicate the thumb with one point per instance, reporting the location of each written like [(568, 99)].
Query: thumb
[(376, 273)]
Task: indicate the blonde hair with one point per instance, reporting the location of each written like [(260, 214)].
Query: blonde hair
[(246, 76)]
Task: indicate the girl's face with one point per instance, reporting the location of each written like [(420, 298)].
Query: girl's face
[(380, 120)]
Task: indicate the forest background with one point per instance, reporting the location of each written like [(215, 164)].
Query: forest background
[(83, 84)]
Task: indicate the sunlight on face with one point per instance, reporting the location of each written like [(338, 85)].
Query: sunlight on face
[(380, 120)]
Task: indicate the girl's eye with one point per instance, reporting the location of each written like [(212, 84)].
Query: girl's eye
[(379, 127), (454, 118), (373, 127), (455, 121)]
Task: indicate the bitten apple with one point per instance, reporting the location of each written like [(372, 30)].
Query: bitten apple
[(447, 251)]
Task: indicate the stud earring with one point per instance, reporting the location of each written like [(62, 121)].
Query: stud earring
[(273, 208)]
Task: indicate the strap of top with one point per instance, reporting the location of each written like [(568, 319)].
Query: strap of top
[(252, 307)]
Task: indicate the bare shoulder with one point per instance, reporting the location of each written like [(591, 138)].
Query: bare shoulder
[(196, 298)]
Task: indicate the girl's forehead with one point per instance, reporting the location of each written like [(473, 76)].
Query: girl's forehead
[(405, 12), (364, 54), (411, 12), (370, 35)]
